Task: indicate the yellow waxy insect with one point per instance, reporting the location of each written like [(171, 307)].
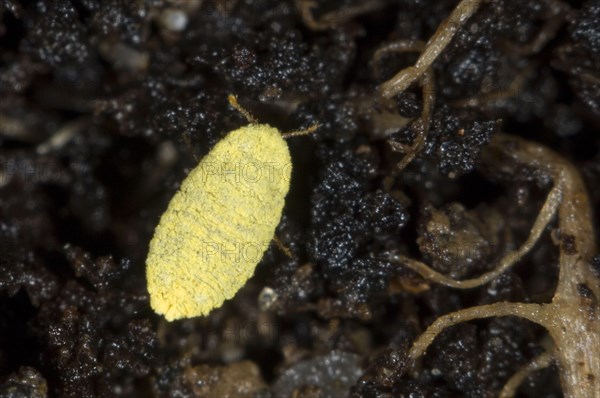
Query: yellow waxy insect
[(220, 223)]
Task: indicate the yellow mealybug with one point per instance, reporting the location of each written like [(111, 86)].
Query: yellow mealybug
[(220, 223)]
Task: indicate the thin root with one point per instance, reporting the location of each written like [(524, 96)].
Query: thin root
[(544, 217), (334, 18), (540, 362), (421, 126), (558, 13), (513, 90), (436, 44), (572, 317), (397, 46), (530, 311)]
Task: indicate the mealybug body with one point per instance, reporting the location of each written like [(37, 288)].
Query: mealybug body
[(221, 221)]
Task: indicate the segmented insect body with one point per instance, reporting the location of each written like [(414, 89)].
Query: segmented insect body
[(219, 224)]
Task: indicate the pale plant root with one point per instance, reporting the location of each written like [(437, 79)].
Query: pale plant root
[(334, 18), (572, 318), (529, 311), (540, 362), (436, 44), (514, 89), (421, 125), (422, 71), (558, 12), (544, 217)]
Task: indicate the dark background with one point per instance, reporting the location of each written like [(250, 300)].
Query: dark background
[(139, 101)]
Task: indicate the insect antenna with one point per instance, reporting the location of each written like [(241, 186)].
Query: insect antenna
[(234, 102), (305, 131)]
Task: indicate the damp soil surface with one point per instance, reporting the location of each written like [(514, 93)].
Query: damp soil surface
[(105, 106)]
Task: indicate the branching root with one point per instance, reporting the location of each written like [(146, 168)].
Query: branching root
[(572, 318)]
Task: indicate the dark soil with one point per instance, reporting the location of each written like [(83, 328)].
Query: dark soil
[(105, 106)]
